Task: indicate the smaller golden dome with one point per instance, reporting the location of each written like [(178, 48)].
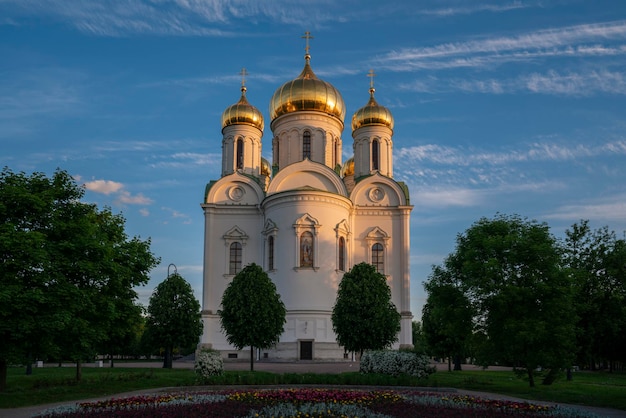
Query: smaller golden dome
[(242, 113), (266, 168), (348, 168), (372, 114)]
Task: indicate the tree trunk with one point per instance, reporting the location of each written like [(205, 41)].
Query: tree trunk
[(3, 375), (570, 377), (111, 358), (449, 363), (531, 377), (167, 359), (29, 365), (457, 362), (79, 370), (251, 358)]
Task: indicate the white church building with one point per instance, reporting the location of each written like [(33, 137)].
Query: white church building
[(306, 218)]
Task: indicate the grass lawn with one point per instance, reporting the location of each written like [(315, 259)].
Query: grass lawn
[(52, 384)]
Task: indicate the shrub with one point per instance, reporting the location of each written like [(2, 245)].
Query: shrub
[(209, 363), (396, 363)]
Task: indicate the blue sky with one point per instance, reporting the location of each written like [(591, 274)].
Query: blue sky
[(516, 107)]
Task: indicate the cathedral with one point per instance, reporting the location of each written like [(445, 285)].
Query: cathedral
[(306, 217)]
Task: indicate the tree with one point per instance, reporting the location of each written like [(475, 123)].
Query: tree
[(364, 317), (447, 318), (510, 269), (419, 339), (174, 318), (57, 255), (252, 312), (596, 262)]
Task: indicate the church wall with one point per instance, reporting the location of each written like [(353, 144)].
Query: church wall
[(224, 225)]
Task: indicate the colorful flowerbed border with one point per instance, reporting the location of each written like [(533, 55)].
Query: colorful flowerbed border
[(307, 402)]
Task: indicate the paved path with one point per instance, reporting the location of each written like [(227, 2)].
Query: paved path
[(295, 367)]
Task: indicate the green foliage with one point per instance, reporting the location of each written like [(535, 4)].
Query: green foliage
[(68, 270), (174, 319), (596, 262), (252, 314), (419, 338), (510, 270), (447, 317), (364, 318)]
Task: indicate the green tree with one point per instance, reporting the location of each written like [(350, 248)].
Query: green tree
[(511, 271), (419, 339), (58, 256), (252, 314), (596, 261), (447, 318), (174, 318), (364, 317)]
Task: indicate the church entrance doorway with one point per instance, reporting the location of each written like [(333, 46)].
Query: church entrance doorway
[(306, 350)]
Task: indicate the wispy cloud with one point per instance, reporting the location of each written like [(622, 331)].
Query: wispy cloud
[(473, 8), (604, 210), (177, 17), (186, 219), (537, 151), (552, 82), (573, 41), (39, 93)]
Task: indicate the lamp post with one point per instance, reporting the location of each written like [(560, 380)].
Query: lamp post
[(168, 269)]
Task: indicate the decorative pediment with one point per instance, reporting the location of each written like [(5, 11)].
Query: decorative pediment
[(235, 234), (377, 235), (342, 229), (270, 227)]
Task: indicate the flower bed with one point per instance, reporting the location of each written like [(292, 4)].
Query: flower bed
[(318, 403)]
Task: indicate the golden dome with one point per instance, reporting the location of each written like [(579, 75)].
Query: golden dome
[(307, 92), (348, 168), (372, 114), (266, 168), (242, 113)]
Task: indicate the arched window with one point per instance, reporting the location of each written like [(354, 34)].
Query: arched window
[(306, 145), (378, 258), (235, 258), (270, 252), (306, 249), (342, 254), (239, 154), (375, 154)]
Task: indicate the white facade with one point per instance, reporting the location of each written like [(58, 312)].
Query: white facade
[(310, 220)]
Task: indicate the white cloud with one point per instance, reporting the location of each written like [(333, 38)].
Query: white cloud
[(572, 41), (611, 209), (177, 215), (473, 8), (125, 197), (104, 186), (177, 17), (144, 212), (122, 196), (551, 82)]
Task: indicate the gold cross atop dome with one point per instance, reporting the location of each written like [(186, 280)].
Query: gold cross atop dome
[(243, 73), (307, 36), (371, 75)]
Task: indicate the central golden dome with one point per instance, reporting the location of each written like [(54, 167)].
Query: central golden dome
[(307, 92)]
